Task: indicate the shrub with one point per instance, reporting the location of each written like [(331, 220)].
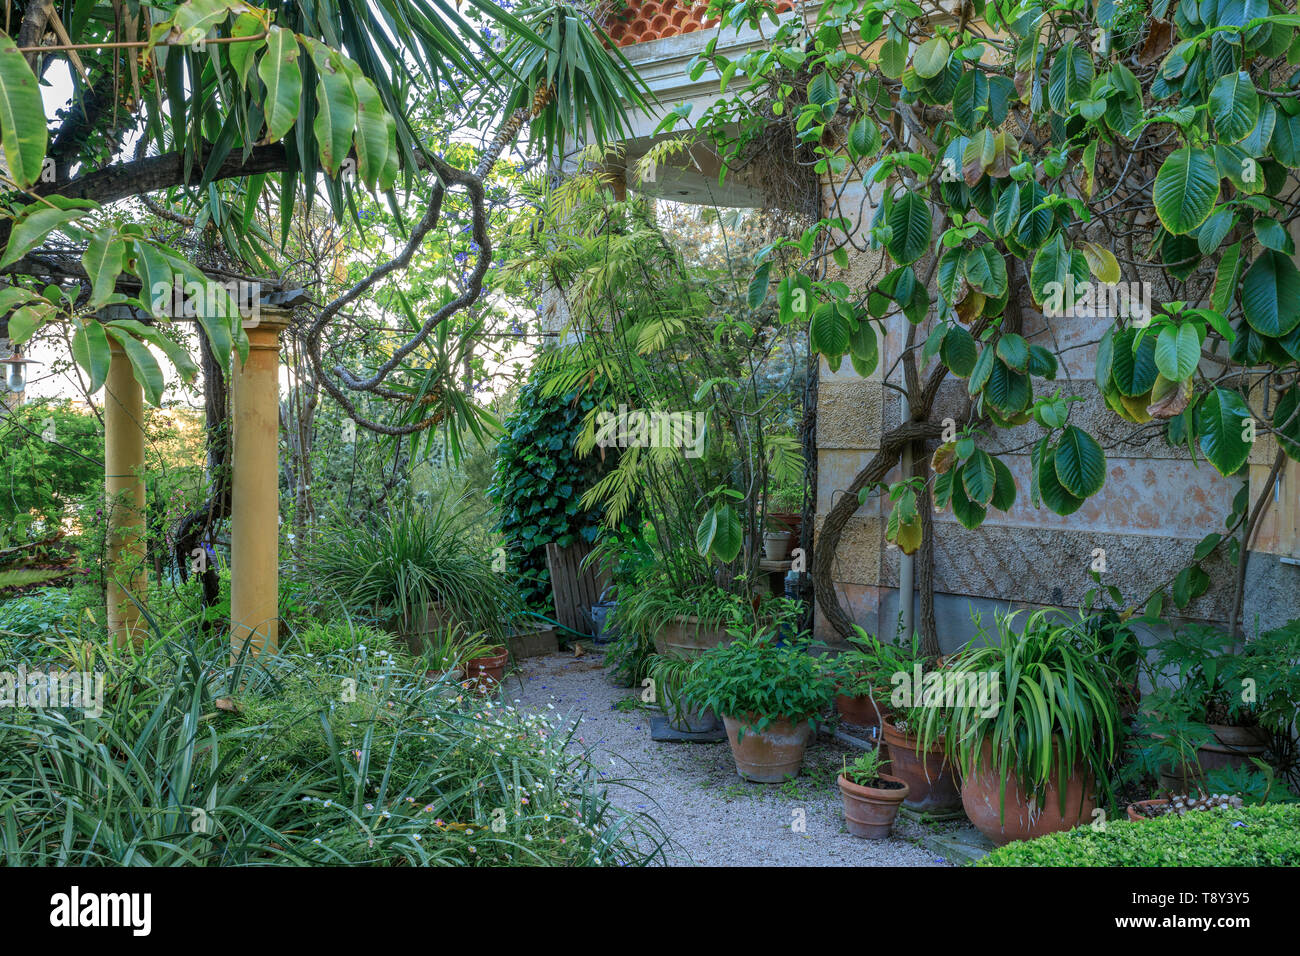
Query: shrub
[(755, 675), (1247, 836)]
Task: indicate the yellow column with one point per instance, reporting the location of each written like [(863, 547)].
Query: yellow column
[(124, 499), (255, 489)]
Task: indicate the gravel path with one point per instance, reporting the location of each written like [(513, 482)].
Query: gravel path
[(693, 790)]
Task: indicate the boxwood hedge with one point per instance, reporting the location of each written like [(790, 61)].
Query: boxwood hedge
[(1251, 836)]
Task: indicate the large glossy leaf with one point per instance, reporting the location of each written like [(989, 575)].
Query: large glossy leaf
[(910, 227), (1234, 105), (144, 366), (1070, 78), (1050, 489), (103, 260), (1178, 351), (1080, 463), (280, 72), (1133, 373), (930, 57), (22, 116), (1221, 421), (90, 350), (979, 477), (1186, 189), (35, 223), (1270, 295)]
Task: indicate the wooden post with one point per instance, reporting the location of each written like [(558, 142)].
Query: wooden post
[(255, 489), (128, 579)]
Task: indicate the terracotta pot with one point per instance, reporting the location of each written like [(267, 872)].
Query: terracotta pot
[(868, 811), (1024, 820), (487, 669), (931, 782), (683, 637), (1231, 747), (1137, 817), (769, 756), (861, 711)]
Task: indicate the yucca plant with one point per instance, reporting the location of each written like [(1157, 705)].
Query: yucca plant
[(1056, 710), (410, 562)]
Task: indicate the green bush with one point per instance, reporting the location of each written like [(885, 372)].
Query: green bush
[(1249, 836)]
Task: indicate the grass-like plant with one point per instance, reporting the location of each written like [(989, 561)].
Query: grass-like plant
[(1056, 711), (350, 758), (410, 560)]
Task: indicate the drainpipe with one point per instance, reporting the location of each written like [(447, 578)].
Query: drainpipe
[(906, 565)]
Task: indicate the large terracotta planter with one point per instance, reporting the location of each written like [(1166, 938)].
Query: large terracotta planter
[(931, 781), (1230, 747), (861, 711), (1024, 820), (684, 637), (772, 755), (869, 811)]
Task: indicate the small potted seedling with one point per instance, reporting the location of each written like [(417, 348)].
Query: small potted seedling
[(871, 798)]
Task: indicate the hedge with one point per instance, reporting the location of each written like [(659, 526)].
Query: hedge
[(1251, 836)]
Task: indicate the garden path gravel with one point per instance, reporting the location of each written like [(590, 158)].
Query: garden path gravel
[(692, 789)]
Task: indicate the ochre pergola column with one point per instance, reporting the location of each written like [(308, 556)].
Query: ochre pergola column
[(255, 489), (124, 499)]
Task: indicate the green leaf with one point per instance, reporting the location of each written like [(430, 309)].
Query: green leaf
[(144, 366), (910, 228), (1133, 374), (1234, 106), (863, 348), (979, 477), (1070, 78), (1186, 189), (1014, 351), (969, 513), (372, 130), (35, 223), (758, 285), (1225, 280), (104, 258), (1178, 352), (336, 107), (1008, 391), (930, 58), (829, 331), (720, 533), (1052, 492), (864, 138), (279, 70), (1221, 421), (23, 130), (1080, 463), (1004, 487), (1286, 421), (1270, 295), (982, 371), (958, 351), (91, 351)]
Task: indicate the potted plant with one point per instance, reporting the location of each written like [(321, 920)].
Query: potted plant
[(417, 566), (863, 682), (767, 694), (669, 675), (1033, 751), (1216, 704), (871, 798)]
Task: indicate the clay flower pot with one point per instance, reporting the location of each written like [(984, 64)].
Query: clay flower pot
[(1137, 816), (861, 711), (488, 669), (1230, 747), (931, 781), (869, 811), (771, 755), (684, 637), (1024, 820)]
